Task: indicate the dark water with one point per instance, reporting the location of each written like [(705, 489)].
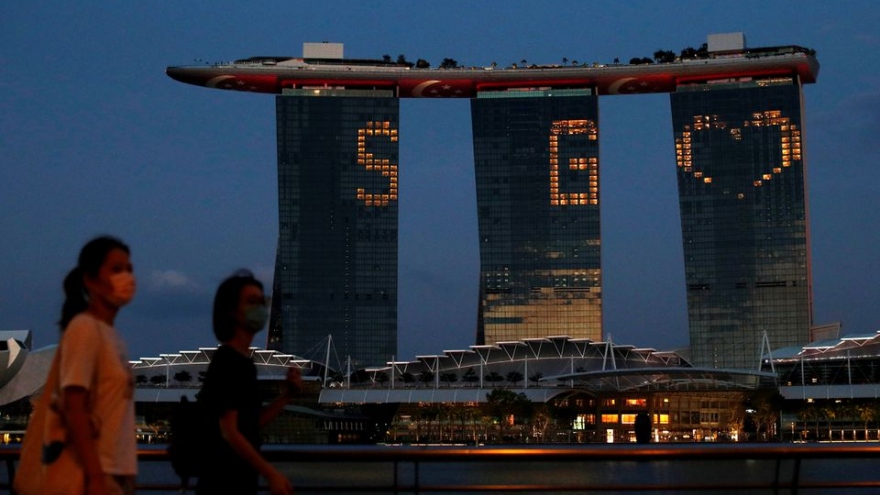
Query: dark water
[(601, 476)]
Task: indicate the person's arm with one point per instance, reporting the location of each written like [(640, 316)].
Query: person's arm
[(75, 408), (293, 384), (278, 484)]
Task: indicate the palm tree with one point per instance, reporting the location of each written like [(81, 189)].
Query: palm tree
[(407, 378), (470, 376), (448, 377), (426, 377), (494, 377), (382, 378), (536, 377), (514, 377)]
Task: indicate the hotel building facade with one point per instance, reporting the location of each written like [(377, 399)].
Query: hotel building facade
[(739, 150), (336, 267), (536, 157), (745, 229)]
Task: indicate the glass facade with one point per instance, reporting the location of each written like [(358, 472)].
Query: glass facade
[(536, 157), (742, 196), (336, 268)]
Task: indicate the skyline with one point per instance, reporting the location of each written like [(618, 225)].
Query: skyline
[(188, 178)]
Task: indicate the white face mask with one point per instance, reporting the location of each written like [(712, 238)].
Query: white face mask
[(123, 288)]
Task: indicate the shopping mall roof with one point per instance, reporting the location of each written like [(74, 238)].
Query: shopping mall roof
[(540, 368)]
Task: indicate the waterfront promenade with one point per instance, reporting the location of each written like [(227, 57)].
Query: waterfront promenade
[(826, 468)]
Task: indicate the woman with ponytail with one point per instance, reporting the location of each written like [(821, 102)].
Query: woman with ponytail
[(95, 380)]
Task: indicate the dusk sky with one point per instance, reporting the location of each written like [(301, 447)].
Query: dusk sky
[(95, 139)]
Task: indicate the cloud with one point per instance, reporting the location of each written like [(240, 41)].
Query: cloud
[(869, 39), (169, 294), (173, 280)]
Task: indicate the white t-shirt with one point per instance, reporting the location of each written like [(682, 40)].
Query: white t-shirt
[(94, 357)]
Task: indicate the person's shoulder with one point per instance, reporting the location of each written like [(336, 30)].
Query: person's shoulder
[(83, 318), (81, 325), (224, 354), (227, 357)]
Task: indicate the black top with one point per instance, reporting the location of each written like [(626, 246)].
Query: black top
[(230, 384)]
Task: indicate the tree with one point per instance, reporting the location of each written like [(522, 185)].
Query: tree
[(448, 377), (765, 406), (866, 412), (182, 376), (703, 51), (382, 378), (664, 56), (422, 64), (431, 412), (470, 376), (401, 59), (564, 60), (514, 377), (540, 420), (426, 377), (494, 377), (449, 63), (158, 379), (386, 58), (504, 405), (407, 377), (829, 413), (536, 377), (688, 52), (141, 379)]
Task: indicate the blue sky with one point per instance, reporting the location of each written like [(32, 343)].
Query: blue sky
[(94, 138)]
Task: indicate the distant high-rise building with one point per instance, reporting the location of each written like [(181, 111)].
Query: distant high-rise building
[(536, 155), (745, 229), (336, 269)]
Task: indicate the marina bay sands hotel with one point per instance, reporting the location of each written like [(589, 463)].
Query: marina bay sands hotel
[(738, 144)]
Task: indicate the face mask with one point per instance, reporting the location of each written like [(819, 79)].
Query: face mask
[(123, 288), (255, 318)]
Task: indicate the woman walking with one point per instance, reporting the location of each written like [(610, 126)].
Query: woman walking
[(96, 386), (230, 397)]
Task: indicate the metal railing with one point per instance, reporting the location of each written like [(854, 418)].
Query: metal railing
[(695, 468)]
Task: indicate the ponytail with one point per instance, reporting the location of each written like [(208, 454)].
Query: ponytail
[(75, 297), (91, 257)]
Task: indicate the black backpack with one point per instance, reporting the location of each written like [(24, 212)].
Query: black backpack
[(186, 446)]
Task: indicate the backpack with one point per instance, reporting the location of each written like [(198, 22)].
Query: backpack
[(185, 449)]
